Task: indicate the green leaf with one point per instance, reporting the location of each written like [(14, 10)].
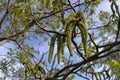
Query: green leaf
[(116, 63), (95, 3), (104, 15), (21, 57)]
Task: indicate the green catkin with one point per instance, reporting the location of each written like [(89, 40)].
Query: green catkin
[(74, 32), (69, 29), (51, 49), (84, 34), (82, 26), (81, 16), (59, 47), (69, 39), (63, 45), (70, 20), (76, 19)]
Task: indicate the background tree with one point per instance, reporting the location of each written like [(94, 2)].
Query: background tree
[(59, 40)]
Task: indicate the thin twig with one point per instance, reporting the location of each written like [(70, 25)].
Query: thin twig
[(53, 64), (82, 76), (71, 6), (93, 42), (118, 27), (58, 12), (81, 55)]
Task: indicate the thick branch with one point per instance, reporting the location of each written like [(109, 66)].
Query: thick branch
[(109, 53), (49, 31), (10, 37), (92, 58)]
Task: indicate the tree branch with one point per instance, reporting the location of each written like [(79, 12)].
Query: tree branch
[(82, 76), (49, 31), (12, 36), (81, 55), (71, 6), (58, 11), (118, 30), (92, 58), (93, 42), (109, 53)]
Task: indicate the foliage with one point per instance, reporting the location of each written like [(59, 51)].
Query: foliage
[(59, 40)]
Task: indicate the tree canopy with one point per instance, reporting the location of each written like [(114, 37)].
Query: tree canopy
[(59, 40)]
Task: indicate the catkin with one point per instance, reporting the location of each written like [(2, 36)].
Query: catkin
[(59, 47), (69, 39), (84, 34), (51, 49)]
